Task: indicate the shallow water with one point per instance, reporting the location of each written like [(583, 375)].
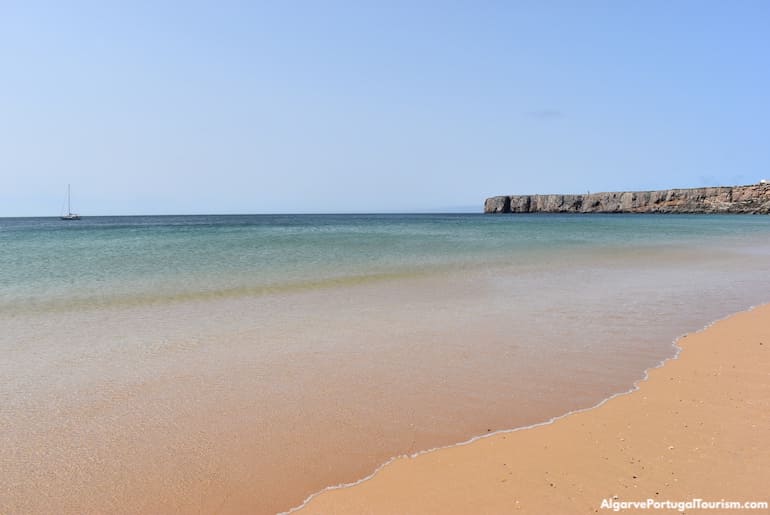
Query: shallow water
[(240, 363)]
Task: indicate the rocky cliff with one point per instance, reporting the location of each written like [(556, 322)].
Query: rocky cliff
[(753, 199)]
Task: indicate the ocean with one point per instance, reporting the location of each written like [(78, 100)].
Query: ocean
[(240, 363)]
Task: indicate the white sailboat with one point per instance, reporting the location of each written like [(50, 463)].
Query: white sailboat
[(70, 215)]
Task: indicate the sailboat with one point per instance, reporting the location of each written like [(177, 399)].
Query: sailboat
[(70, 215)]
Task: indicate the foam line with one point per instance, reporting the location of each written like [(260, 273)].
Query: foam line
[(635, 387)]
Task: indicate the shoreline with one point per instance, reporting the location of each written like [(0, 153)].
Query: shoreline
[(356, 497), (250, 403)]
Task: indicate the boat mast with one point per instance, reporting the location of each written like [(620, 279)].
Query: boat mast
[(70, 215)]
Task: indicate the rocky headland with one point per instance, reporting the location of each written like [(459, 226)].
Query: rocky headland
[(751, 199)]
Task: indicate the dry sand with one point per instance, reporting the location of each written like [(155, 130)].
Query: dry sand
[(698, 427)]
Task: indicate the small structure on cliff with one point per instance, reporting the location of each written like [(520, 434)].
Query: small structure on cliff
[(751, 199)]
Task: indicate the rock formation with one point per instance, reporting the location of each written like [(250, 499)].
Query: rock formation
[(753, 199)]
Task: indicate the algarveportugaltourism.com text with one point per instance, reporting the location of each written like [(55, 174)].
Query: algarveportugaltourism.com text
[(693, 504)]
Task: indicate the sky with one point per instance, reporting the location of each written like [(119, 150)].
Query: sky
[(168, 107)]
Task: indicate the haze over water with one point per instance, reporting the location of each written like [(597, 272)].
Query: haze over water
[(241, 363)]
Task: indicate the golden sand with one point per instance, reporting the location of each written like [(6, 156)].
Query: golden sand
[(697, 428)]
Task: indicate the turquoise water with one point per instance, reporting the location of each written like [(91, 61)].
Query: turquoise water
[(48, 264), (237, 364)]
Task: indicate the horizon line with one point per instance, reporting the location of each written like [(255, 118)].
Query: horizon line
[(317, 213)]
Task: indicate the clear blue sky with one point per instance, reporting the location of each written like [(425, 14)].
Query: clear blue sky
[(248, 107)]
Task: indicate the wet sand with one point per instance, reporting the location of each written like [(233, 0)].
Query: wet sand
[(697, 428)]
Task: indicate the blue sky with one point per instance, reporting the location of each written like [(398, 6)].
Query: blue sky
[(257, 107)]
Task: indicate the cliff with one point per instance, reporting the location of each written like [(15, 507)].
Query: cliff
[(752, 199)]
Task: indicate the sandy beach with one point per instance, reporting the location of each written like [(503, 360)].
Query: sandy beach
[(269, 258), (697, 428), (186, 383)]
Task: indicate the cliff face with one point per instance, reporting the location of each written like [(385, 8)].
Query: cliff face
[(753, 199)]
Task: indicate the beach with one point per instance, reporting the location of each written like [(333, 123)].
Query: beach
[(696, 428), (238, 364), (260, 258)]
